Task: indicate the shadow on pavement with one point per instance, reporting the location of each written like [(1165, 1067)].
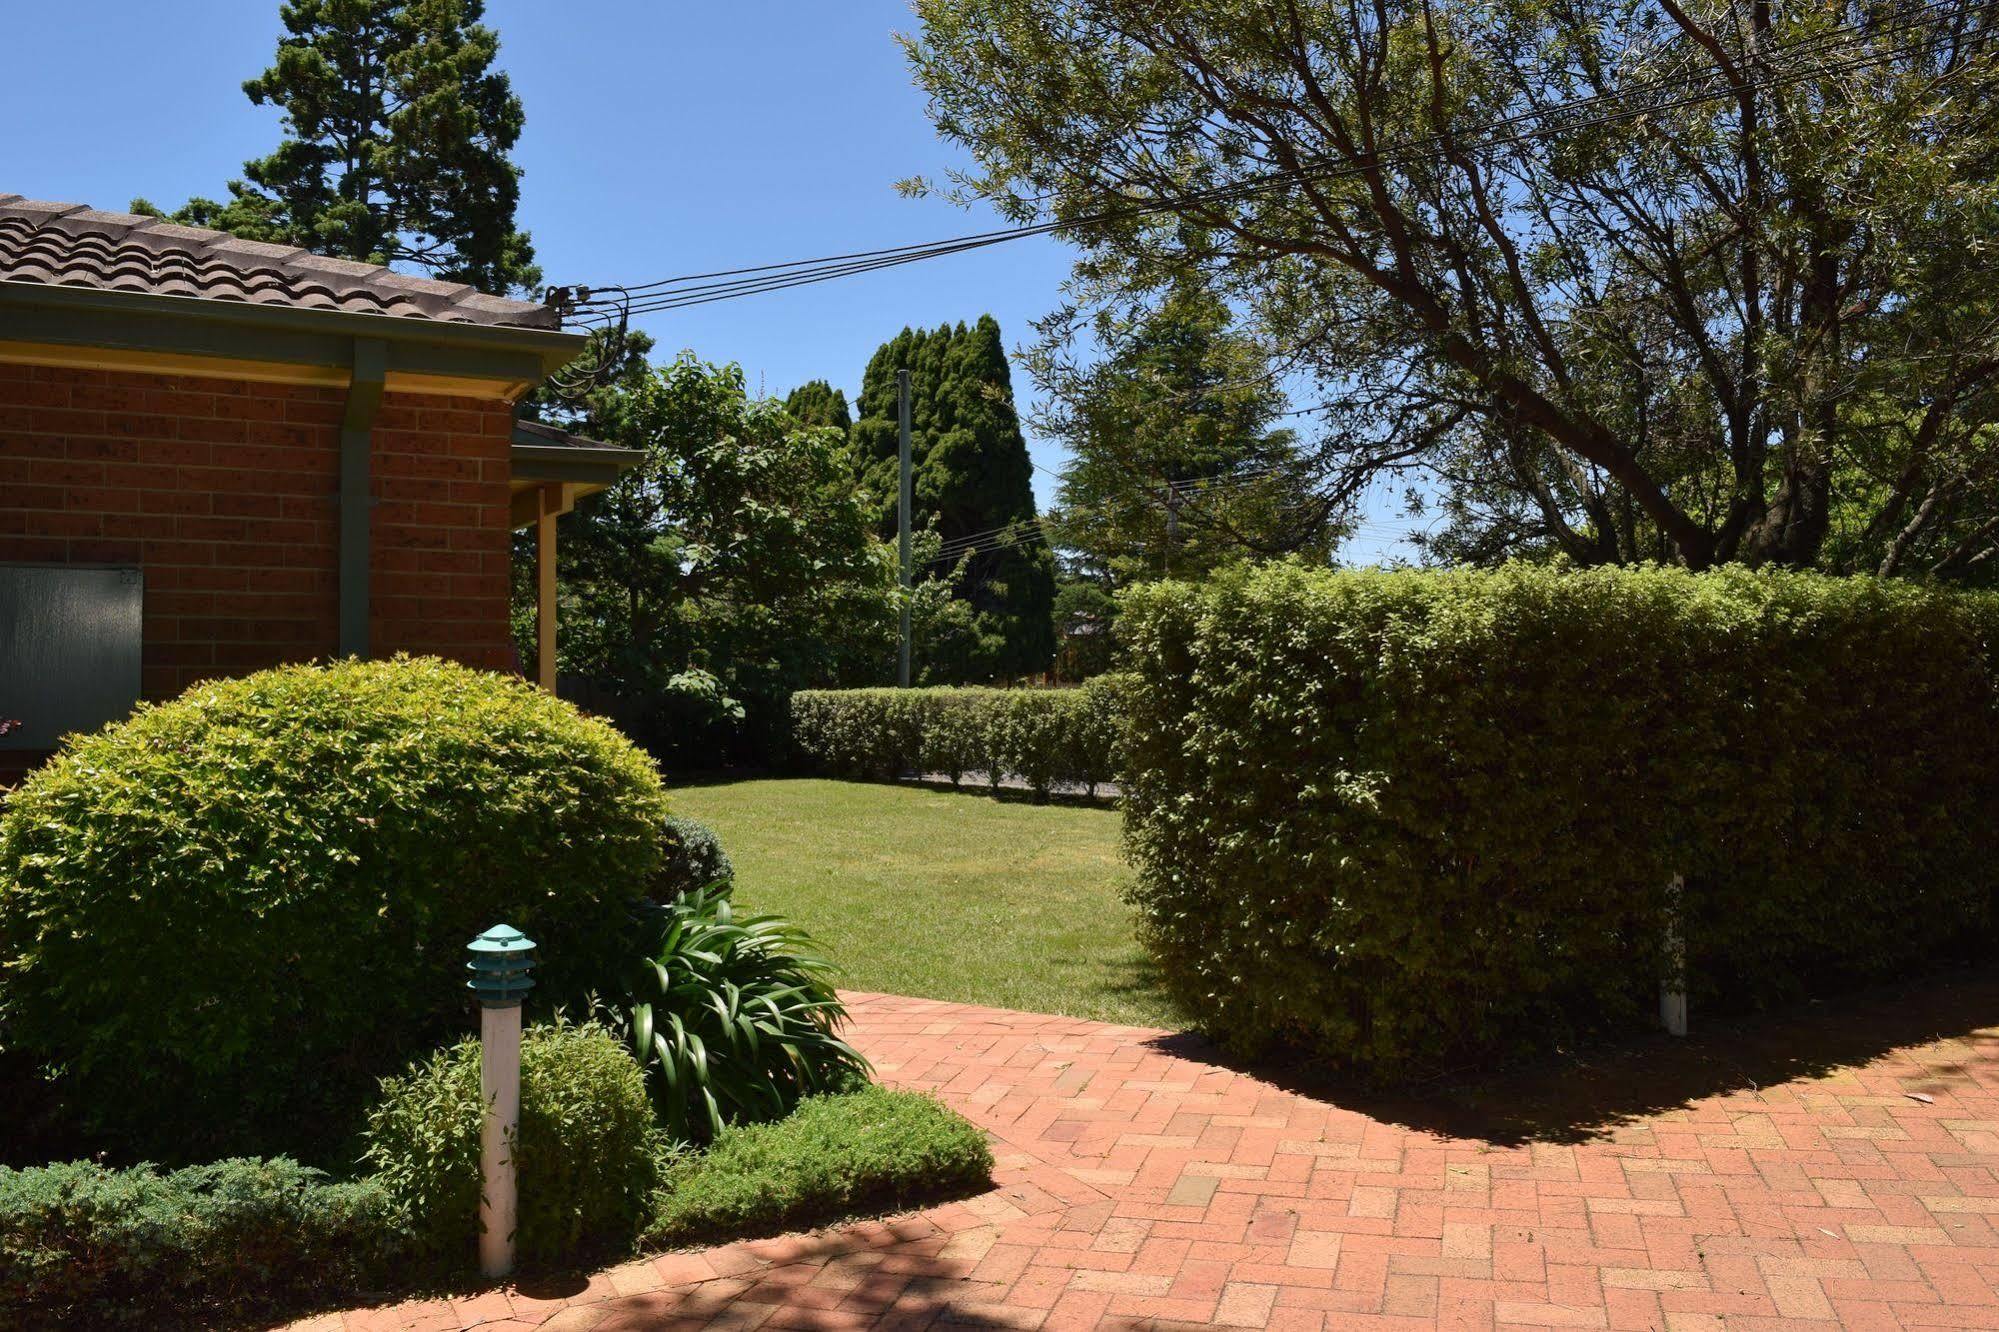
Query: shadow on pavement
[(1590, 1094)]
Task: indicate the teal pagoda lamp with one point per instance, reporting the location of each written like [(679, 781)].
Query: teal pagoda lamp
[(502, 967)]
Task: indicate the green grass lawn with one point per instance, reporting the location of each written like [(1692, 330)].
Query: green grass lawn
[(943, 894)]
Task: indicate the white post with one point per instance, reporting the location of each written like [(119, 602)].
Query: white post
[(502, 965), (1673, 988), (500, 1086)]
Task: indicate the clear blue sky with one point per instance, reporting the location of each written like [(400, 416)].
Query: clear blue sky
[(662, 139)]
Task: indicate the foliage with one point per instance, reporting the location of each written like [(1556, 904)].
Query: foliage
[(1176, 466), (833, 1157), (1085, 629), (587, 1151), (1397, 818), (397, 135), (694, 858), (258, 895), (733, 1015), (732, 566), (916, 890), (972, 480), (1041, 736), (817, 403), (86, 1246), (1704, 301)]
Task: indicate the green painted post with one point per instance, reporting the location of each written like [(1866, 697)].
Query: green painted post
[(502, 966)]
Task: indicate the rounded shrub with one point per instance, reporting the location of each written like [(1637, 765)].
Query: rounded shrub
[(224, 918), (587, 1152), (692, 857)]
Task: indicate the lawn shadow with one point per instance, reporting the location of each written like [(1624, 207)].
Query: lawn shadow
[(1590, 1094)]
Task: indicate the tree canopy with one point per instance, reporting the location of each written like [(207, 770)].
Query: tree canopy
[(734, 565), (972, 487), (1176, 462), (397, 135), (1621, 279), (818, 403)]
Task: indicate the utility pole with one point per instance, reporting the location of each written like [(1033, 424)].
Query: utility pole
[(1172, 528), (902, 513)]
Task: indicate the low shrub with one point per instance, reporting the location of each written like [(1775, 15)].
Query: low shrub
[(733, 1015), (1041, 737), (85, 1246), (258, 895), (587, 1152), (693, 858), (1399, 818), (872, 1150)]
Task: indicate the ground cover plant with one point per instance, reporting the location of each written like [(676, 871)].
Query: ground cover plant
[(871, 1150), (928, 892), (1403, 818), (84, 1245)]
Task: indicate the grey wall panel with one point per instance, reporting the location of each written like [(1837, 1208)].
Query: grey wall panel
[(69, 649)]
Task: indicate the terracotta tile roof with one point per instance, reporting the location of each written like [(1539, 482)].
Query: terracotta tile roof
[(69, 245)]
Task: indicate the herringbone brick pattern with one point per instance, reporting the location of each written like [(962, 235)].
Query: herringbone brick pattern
[(1141, 1184)]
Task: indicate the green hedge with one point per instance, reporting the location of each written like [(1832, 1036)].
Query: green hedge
[(84, 1246), (1040, 736), (223, 919), (1402, 817), (833, 1157)]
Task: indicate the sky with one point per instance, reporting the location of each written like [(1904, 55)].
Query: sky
[(664, 137)]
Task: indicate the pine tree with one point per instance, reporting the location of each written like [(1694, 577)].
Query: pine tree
[(972, 482), (818, 403), (1177, 464), (397, 134)]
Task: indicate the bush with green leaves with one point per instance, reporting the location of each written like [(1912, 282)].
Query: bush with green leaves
[(873, 1150), (1404, 818), (86, 1246), (693, 858), (224, 918), (734, 1015), (1042, 737), (588, 1153)]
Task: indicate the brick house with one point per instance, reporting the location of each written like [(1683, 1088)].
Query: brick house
[(217, 455)]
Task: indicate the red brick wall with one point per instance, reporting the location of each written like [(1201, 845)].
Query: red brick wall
[(224, 493)]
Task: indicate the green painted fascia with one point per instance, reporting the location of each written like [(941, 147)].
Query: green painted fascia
[(143, 321)]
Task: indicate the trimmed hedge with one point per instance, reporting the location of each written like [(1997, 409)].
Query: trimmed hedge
[(587, 1150), (1040, 736), (1397, 818), (84, 1246), (834, 1157), (224, 918)]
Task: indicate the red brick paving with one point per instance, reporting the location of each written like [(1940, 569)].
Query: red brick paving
[(1142, 1186)]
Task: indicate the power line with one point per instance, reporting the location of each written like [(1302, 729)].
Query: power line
[(773, 277)]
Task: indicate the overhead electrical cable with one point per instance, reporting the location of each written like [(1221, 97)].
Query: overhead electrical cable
[(601, 306)]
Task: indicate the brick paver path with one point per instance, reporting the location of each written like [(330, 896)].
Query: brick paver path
[(1142, 1184)]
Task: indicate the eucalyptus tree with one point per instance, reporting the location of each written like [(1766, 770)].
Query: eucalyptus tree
[(1624, 278)]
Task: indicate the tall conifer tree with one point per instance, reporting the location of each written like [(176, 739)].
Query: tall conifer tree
[(818, 403), (973, 482), (397, 135)]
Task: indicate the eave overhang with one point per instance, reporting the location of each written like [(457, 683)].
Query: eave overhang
[(94, 329), (569, 470)]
